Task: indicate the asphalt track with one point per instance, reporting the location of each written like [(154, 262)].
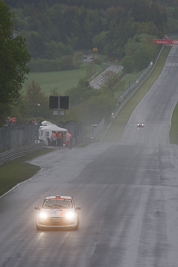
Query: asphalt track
[(128, 192)]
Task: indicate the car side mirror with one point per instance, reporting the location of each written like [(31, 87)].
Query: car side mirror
[(77, 208), (37, 208)]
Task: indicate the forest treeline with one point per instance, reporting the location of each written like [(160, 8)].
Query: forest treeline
[(92, 4), (55, 29)]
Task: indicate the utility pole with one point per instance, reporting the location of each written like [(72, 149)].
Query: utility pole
[(59, 111)]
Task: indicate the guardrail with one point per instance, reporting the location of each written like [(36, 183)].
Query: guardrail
[(134, 90), (19, 152)]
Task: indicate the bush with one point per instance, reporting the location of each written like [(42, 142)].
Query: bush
[(45, 65), (128, 64), (98, 61)]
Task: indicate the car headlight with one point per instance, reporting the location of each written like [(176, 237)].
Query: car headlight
[(70, 215), (43, 215)]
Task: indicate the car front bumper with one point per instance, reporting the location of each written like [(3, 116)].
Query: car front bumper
[(59, 222)]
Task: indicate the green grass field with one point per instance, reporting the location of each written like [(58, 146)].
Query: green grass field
[(61, 80)]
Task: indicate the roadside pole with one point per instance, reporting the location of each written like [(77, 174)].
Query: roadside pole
[(59, 111)]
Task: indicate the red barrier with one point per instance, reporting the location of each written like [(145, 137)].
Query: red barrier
[(12, 120), (165, 42)]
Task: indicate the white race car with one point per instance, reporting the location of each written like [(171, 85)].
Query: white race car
[(58, 212)]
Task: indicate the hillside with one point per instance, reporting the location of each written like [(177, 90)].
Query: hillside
[(56, 30), (101, 4)]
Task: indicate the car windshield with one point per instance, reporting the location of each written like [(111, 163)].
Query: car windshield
[(57, 204)]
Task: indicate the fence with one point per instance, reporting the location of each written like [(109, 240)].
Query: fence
[(19, 152), (17, 136), (134, 84)]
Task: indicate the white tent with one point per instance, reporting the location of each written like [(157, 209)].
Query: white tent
[(45, 132), (53, 127), (45, 123)]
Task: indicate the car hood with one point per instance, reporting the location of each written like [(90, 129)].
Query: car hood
[(57, 212)]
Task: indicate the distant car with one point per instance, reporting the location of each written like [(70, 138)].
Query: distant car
[(140, 124), (58, 212)]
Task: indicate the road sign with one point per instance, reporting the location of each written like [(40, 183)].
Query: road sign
[(63, 101), (165, 42), (55, 112)]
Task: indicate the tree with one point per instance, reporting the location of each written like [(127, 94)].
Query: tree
[(52, 50), (13, 57), (110, 80), (139, 52), (96, 108), (35, 98), (99, 40), (82, 92), (35, 45), (78, 59), (90, 69), (128, 64), (67, 62), (143, 56)]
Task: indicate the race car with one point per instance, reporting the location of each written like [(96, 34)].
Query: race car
[(140, 124), (58, 212)]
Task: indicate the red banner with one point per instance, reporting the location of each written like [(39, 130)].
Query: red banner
[(165, 42), (12, 120)]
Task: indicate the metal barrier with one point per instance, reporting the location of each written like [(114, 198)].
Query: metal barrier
[(19, 152), (134, 84), (134, 90)]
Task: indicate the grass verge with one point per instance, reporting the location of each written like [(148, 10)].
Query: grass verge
[(173, 134), (18, 170), (118, 125)]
